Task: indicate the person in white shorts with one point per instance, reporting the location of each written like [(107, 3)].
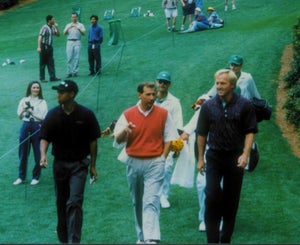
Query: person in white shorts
[(170, 7)]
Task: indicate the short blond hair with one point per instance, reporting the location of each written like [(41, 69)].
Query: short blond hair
[(231, 75)]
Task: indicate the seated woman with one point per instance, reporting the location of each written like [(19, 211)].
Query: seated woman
[(200, 22), (214, 20)]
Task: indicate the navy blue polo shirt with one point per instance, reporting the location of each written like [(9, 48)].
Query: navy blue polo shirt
[(70, 135), (226, 125)]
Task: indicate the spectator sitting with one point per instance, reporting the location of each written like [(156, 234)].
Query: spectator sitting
[(200, 22), (214, 20)]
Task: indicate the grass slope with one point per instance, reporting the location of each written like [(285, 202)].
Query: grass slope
[(259, 30)]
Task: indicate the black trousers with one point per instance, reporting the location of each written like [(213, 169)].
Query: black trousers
[(46, 59), (69, 179), (94, 53), (222, 202)]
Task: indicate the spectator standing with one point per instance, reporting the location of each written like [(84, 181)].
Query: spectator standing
[(171, 11), (232, 5), (172, 104), (73, 131), (147, 131), (94, 46), (45, 48), (227, 125), (74, 31), (188, 10), (32, 109)]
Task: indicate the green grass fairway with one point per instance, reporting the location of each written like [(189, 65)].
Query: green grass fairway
[(259, 30)]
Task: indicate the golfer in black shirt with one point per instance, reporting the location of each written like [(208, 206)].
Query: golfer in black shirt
[(227, 124), (73, 131)]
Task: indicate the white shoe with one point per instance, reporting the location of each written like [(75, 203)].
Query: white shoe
[(226, 8), (233, 7), (18, 181), (34, 182), (164, 202), (182, 28), (202, 226), (140, 242)]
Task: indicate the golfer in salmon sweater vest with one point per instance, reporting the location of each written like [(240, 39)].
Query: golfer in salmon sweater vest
[(147, 131)]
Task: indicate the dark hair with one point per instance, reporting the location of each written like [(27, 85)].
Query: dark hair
[(75, 13), (49, 17), (94, 16), (141, 86), (28, 91)]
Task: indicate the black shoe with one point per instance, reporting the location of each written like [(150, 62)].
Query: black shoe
[(55, 79), (92, 74), (69, 75)]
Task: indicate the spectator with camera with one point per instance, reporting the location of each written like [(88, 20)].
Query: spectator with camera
[(32, 110)]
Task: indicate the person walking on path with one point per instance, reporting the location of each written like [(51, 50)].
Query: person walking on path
[(32, 109), (95, 39), (45, 48), (227, 125), (74, 31), (147, 131), (73, 131)]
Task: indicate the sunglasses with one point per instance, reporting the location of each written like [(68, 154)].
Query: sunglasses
[(163, 81), (232, 64)]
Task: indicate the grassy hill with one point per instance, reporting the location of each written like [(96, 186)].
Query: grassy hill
[(258, 30)]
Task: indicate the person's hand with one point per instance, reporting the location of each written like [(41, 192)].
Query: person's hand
[(94, 175), (44, 162), (39, 49), (185, 136), (242, 161), (201, 166)]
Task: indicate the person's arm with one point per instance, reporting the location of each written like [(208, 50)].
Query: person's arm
[(166, 149), (243, 159), (201, 141), (93, 154), (39, 43), (44, 144), (81, 29), (57, 33)]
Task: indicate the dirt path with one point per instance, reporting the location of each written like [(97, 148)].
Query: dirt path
[(288, 130)]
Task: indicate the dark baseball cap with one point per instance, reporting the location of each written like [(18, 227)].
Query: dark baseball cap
[(66, 86)]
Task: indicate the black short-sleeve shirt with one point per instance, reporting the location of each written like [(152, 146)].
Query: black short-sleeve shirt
[(226, 125), (72, 134)]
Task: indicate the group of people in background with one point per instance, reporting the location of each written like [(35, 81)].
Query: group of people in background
[(192, 10), (73, 31)]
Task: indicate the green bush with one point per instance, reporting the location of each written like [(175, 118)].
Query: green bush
[(292, 104)]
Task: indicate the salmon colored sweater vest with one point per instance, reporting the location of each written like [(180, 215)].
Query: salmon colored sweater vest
[(147, 139)]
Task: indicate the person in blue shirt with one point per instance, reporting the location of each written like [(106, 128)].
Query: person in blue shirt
[(200, 22), (95, 39)]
